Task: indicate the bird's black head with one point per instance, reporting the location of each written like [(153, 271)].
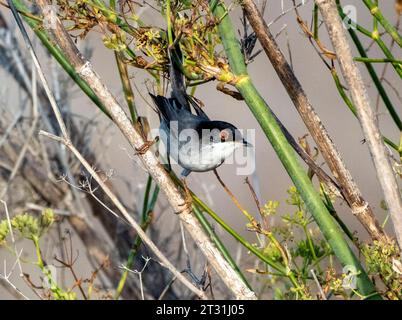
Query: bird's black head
[(220, 132)]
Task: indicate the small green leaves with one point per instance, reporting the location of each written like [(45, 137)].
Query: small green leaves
[(47, 219), (151, 42), (58, 292), (294, 197), (114, 42), (270, 208), (33, 227), (4, 230), (380, 260), (272, 252), (29, 226)]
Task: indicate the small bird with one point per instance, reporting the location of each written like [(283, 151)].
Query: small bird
[(193, 140)]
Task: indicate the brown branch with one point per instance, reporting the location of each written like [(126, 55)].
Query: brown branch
[(349, 189), (366, 115), (149, 160)]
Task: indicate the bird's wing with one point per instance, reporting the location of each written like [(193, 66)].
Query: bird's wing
[(167, 107), (198, 109)]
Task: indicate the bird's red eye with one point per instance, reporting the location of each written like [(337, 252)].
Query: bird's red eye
[(224, 135)]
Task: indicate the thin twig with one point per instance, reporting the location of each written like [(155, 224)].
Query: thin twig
[(139, 273), (6, 276), (18, 255), (12, 235), (233, 197), (323, 296), (31, 132)]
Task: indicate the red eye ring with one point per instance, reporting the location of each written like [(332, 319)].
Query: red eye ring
[(224, 135)]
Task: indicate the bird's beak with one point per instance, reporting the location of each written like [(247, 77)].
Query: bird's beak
[(246, 144)]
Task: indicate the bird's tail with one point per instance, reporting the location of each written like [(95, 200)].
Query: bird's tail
[(166, 106), (176, 75)]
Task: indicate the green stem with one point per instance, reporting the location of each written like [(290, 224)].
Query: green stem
[(219, 244), (58, 293), (280, 268), (315, 21), (112, 16), (373, 60), (310, 242), (131, 259), (333, 213), (128, 90), (283, 271), (285, 152), (376, 80), (205, 208), (146, 219), (374, 36), (389, 28), (146, 197), (154, 199)]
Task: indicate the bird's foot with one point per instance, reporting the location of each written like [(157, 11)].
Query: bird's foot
[(188, 199), (146, 146)]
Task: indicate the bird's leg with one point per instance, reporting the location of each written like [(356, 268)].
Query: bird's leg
[(188, 199), (145, 147)]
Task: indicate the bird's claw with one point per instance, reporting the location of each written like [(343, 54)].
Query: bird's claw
[(146, 146), (188, 200)]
